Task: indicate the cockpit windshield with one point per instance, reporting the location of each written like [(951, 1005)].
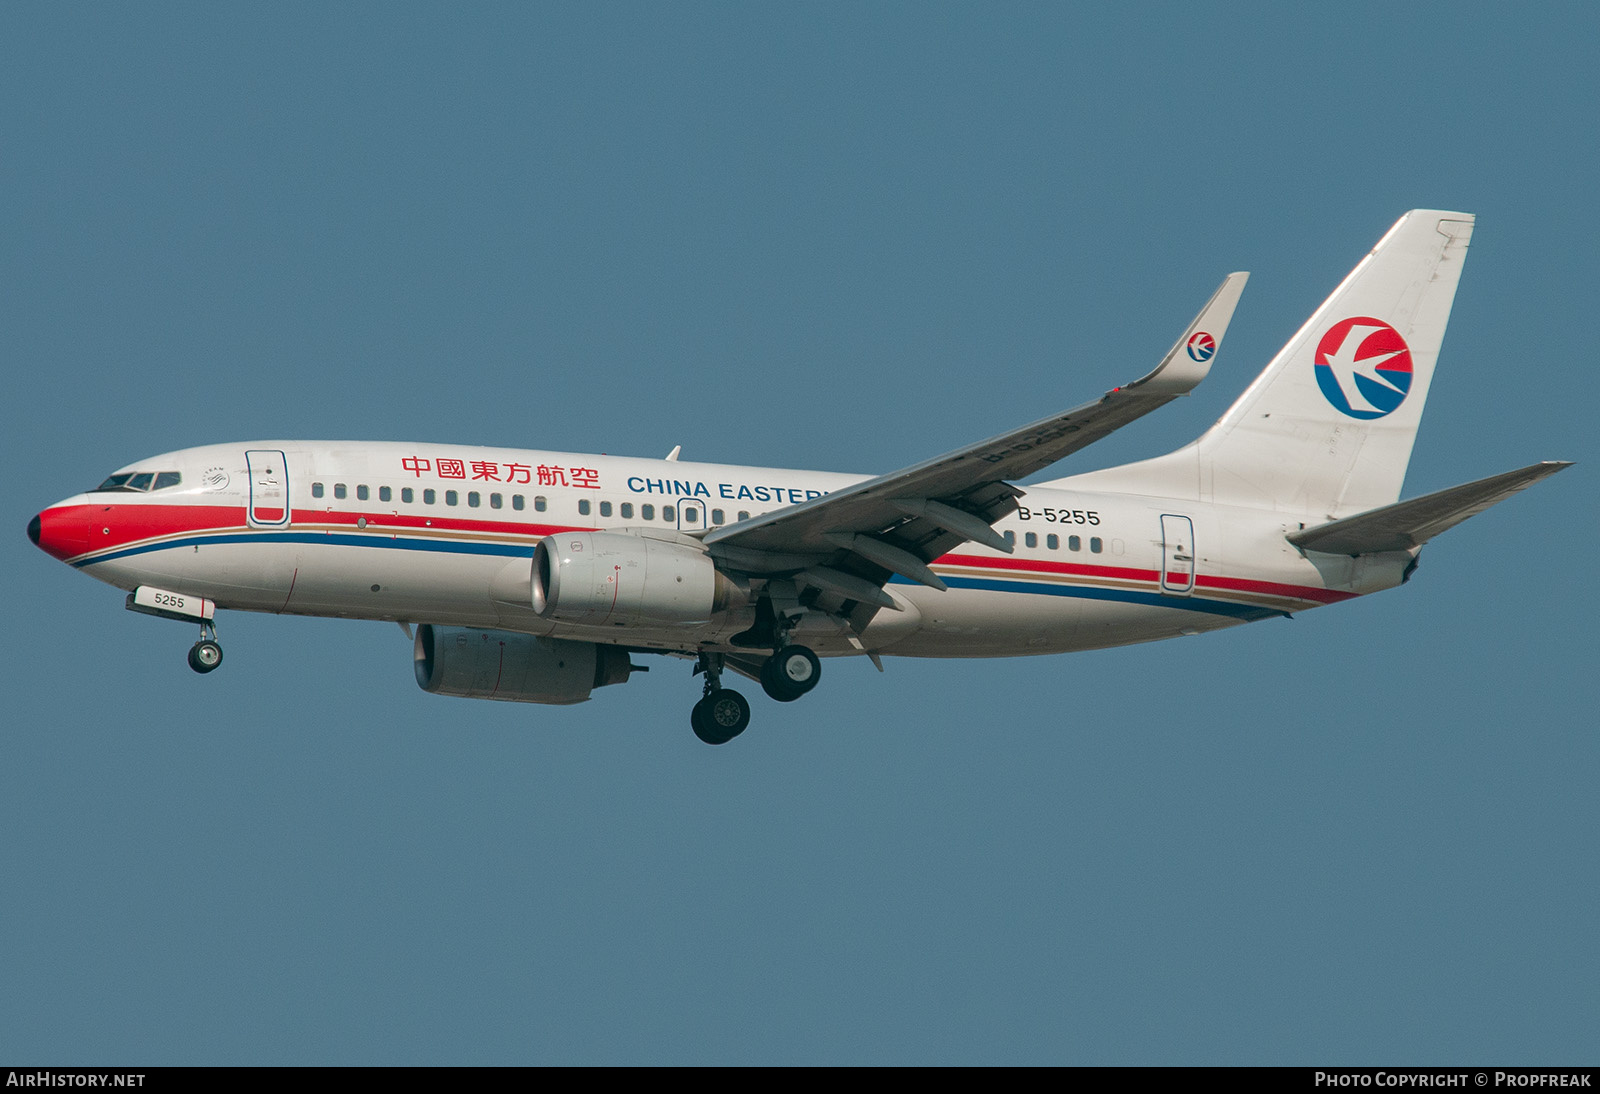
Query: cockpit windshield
[(139, 482)]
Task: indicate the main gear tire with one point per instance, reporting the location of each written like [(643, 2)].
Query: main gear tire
[(790, 673), (720, 716)]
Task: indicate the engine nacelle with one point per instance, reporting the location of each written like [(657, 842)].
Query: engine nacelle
[(612, 577), (516, 668)]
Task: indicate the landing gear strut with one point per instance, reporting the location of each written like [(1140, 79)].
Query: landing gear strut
[(722, 714), (206, 654)]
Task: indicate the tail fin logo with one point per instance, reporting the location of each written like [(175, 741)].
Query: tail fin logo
[(1363, 367), (1202, 346)]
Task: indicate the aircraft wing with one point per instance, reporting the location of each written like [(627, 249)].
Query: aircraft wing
[(1408, 524), (849, 542)]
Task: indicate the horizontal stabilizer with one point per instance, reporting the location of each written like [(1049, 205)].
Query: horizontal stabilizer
[(1408, 524)]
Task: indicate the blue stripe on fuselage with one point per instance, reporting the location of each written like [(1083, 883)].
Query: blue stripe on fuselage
[(388, 542), (1249, 612)]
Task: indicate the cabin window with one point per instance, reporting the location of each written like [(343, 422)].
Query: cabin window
[(518, 502), (340, 490), (627, 510), (362, 493), (1094, 545), (1031, 539), (647, 511), (316, 490), (495, 501), (1074, 543), (474, 499), (691, 515), (385, 494), (407, 494), (451, 497), (583, 507), (539, 503), (1011, 539), (744, 514), (605, 509), (1052, 541), (717, 516), (668, 513), (428, 496)]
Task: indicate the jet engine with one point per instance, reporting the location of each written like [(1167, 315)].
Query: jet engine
[(516, 668), (626, 580)]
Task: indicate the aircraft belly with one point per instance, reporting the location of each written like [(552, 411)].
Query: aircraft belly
[(386, 583), (973, 623), (300, 578), (248, 577)]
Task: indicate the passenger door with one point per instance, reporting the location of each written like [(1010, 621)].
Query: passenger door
[(269, 488)]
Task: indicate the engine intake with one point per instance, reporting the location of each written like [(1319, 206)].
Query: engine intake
[(515, 668), (611, 577)]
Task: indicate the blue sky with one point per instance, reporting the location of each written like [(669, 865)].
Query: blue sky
[(836, 236)]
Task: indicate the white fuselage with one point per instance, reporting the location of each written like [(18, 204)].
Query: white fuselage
[(425, 533)]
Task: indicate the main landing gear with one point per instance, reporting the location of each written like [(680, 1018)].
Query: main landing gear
[(722, 713), (206, 654), (790, 673)]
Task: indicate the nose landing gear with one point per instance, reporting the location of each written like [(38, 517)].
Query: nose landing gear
[(206, 654)]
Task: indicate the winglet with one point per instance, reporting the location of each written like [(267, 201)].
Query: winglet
[(1190, 357)]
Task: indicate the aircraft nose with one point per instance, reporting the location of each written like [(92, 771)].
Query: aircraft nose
[(61, 531)]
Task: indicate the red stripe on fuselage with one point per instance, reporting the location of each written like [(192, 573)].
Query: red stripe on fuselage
[(387, 519), (1273, 588), (1131, 573), (1037, 565), (119, 524)]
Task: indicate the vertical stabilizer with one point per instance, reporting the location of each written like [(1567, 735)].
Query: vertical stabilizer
[(1328, 427), (1326, 430)]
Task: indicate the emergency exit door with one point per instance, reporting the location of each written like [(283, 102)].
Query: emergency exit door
[(691, 515)]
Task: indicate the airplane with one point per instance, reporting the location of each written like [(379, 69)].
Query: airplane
[(534, 576)]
